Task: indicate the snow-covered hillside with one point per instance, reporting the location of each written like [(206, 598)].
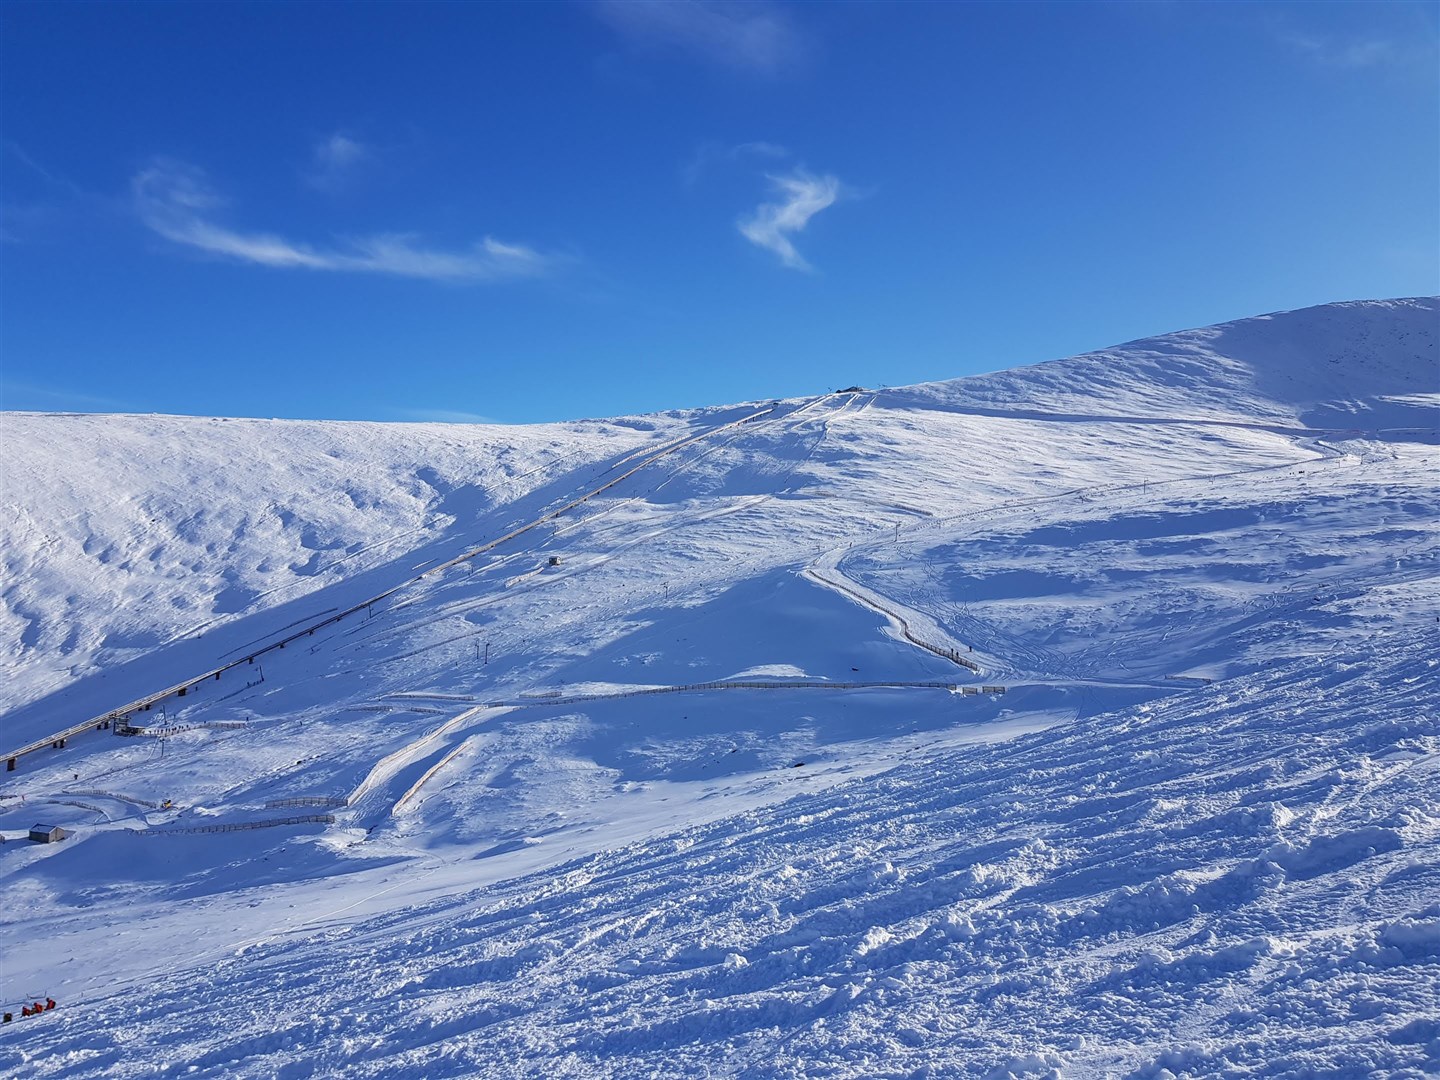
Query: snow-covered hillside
[(171, 525), (1074, 720)]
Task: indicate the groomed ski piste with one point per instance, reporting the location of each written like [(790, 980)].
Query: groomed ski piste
[(1078, 720)]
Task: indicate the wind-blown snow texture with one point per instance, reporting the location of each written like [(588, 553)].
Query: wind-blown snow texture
[(1198, 835)]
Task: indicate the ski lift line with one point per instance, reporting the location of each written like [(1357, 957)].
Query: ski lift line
[(821, 422), (684, 466), (383, 542), (665, 448), (527, 578), (550, 515), (306, 631), (245, 648), (678, 443), (113, 715), (813, 402), (532, 578), (637, 498), (557, 460)]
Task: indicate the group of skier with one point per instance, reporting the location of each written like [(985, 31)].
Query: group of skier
[(33, 1009)]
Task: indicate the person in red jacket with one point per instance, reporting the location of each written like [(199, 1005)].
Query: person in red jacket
[(49, 1003)]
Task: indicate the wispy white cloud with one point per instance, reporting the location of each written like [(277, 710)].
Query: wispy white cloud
[(176, 201), (1387, 40), (38, 198), (771, 225), (1353, 53), (759, 149), (750, 36), (334, 160), (51, 178), (712, 153)]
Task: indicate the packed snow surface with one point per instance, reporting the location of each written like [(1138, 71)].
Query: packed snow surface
[(1077, 720)]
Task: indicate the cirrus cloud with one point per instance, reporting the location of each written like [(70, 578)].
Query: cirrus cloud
[(176, 201), (751, 36), (711, 153), (334, 160), (771, 224)]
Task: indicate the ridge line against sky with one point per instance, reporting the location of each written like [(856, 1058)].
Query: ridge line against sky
[(520, 213)]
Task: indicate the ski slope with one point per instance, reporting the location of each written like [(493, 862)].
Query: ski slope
[(1073, 720)]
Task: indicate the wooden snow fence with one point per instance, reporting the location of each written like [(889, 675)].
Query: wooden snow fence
[(426, 695), (176, 729), (91, 807), (556, 697), (240, 826), (114, 795)]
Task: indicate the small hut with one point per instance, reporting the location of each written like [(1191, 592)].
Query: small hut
[(47, 834)]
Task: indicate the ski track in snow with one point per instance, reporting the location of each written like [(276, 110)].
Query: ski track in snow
[(1198, 836)]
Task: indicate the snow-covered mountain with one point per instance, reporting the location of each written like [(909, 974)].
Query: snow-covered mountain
[(1072, 720)]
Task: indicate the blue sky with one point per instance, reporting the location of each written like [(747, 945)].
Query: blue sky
[(552, 210)]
